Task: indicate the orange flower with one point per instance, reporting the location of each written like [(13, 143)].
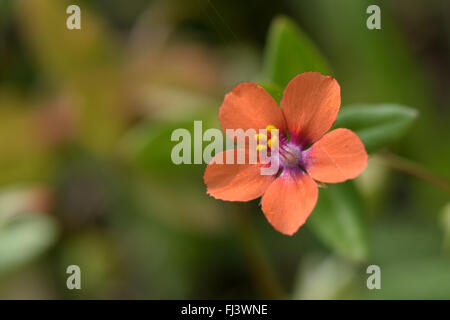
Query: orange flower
[(307, 153)]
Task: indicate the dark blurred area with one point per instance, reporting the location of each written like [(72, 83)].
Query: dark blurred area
[(85, 172)]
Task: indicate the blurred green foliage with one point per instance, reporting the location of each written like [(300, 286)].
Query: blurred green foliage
[(338, 220), (377, 125), (24, 238), (290, 52)]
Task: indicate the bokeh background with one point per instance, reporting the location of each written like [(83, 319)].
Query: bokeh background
[(85, 171)]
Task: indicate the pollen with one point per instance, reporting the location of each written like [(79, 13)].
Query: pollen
[(273, 142), (270, 127), (261, 147), (260, 137)]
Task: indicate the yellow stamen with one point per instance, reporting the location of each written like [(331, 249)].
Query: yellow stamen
[(261, 147), (273, 142), (261, 137), (270, 127)]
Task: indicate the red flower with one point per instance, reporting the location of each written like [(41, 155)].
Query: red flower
[(307, 153)]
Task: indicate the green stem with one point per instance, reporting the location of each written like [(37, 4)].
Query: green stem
[(415, 169), (260, 268)]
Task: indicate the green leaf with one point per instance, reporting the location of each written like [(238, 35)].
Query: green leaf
[(274, 90), (25, 238), (149, 146), (290, 52), (376, 125), (337, 221)]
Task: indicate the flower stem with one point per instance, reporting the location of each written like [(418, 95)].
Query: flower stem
[(415, 169), (260, 268)]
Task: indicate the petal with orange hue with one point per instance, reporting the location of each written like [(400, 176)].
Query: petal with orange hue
[(289, 200), (310, 104), (235, 182), (249, 106), (338, 156)]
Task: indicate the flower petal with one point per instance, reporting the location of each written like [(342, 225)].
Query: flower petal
[(289, 200), (235, 182), (249, 106), (310, 104), (338, 156)]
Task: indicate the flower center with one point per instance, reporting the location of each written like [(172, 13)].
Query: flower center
[(288, 154)]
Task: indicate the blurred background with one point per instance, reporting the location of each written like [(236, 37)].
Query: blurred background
[(86, 177)]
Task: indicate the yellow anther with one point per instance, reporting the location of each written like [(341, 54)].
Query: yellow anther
[(260, 147), (273, 142), (260, 137), (270, 127)]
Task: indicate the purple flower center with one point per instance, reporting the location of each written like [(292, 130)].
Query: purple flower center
[(289, 154)]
